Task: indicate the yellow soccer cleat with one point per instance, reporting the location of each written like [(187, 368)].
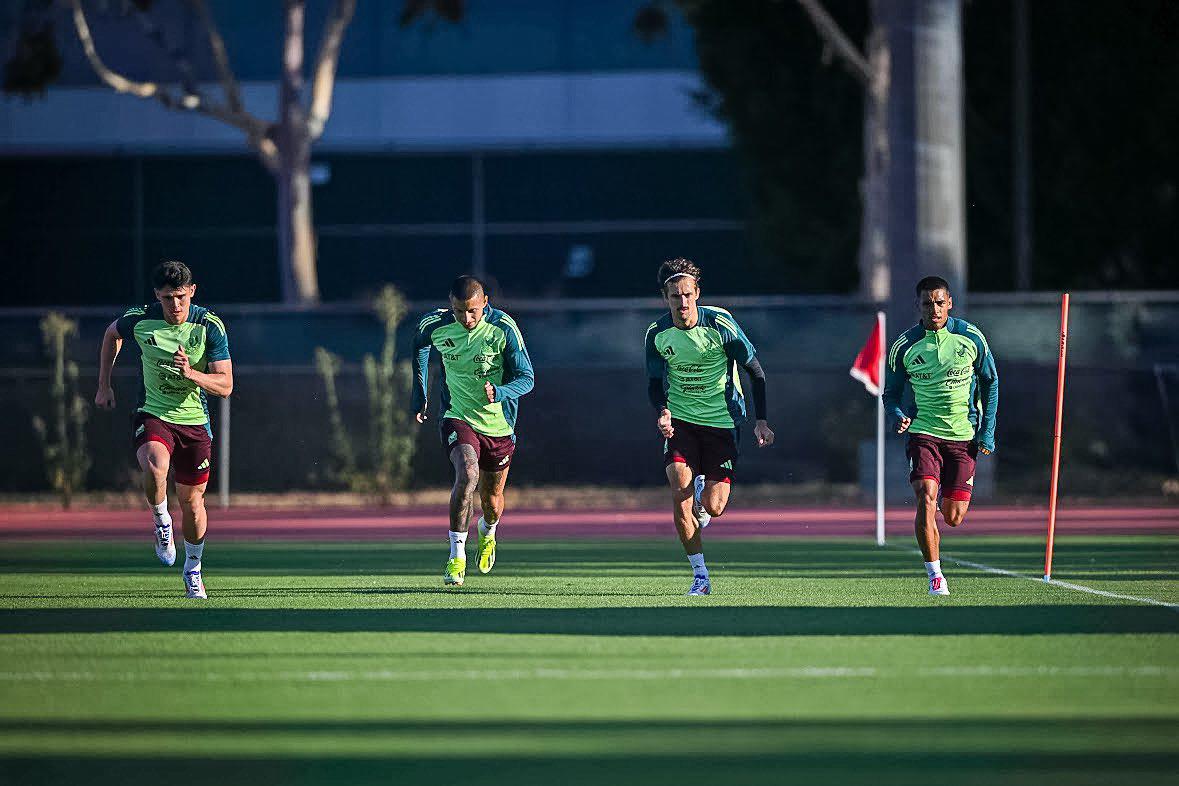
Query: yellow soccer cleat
[(456, 571), (486, 555)]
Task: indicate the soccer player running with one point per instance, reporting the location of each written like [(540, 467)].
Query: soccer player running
[(948, 364), (692, 357), (185, 355), (485, 371)]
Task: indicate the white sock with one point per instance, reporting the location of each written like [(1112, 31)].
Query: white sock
[(192, 555), (697, 561), (485, 529), (160, 513), (933, 568), (458, 545)]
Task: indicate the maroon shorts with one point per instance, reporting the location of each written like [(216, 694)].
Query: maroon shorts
[(710, 451), (948, 462), (191, 447), (495, 453)]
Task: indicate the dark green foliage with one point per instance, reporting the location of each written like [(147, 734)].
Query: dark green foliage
[(796, 124), (390, 438), (63, 436), (34, 61)]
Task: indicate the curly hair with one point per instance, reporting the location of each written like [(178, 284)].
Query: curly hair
[(171, 275), (674, 268)]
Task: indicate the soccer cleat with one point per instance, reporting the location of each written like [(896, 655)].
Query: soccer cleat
[(702, 515), (937, 586), (165, 546), (700, 586), (456, 571), (486, 553), (194, 586)]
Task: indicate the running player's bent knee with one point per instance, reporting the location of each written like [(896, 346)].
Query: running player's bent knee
[(954, 514)]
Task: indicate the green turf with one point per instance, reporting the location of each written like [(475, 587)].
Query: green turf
[(814, 661)]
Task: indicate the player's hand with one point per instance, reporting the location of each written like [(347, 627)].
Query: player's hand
[(105, 398), (421, 417), (180, 361), (903, 426), (763, 434), (664, 424), (489, 389)]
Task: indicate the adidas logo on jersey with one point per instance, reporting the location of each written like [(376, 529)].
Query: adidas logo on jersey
[(918, 361), (448, 343)]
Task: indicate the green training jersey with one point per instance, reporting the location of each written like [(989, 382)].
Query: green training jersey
[(493, 351), (166, 394), (953, 378), (699, 366)]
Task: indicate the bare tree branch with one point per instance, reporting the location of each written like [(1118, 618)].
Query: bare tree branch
[(324, 80), (233, 93), (835, 38), (178, 56), (256, 130), (117, 81)]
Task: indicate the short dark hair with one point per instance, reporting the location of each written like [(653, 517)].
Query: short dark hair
[(466, 287), (171, 275), (674, 268), (931, 284)]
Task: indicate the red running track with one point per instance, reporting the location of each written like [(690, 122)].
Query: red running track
[(374, 524)]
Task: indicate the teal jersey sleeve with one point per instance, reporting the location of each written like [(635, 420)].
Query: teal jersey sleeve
[(125, 325), (987, 377), (737, 345), (216, 338), (895, 377), (519, 377), (421, 360), (656, 365)]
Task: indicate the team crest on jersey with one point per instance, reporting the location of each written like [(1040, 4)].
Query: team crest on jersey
[(962, 351), (193, 340)]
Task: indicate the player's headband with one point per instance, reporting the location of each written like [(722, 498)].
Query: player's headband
[(677, 275)]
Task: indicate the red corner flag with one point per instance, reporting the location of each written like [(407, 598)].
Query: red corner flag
[(868, 367)]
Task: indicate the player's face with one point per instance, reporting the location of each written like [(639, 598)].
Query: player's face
[(176, 302), (935, 308), (682, 293), (468, 312)]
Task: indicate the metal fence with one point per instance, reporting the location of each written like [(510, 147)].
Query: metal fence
[(588, 421)]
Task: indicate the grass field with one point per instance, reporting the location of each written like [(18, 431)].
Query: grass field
[(576, 661)]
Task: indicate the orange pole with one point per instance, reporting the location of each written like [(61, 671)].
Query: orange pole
[(1056, 436)]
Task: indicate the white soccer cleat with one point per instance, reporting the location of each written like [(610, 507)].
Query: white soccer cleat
[(165, 545), (194, 585), (703, 517), (937, 586), (700, 586)]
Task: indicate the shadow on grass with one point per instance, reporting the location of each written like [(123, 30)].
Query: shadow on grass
[(705, 619), (852, 752), (1126, 558)]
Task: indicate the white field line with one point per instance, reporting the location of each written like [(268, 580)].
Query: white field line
[(802, 672), (1056, 582)]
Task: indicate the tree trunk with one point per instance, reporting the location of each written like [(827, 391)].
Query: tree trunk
[(914, 217), (296, 231), (875, 278)]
